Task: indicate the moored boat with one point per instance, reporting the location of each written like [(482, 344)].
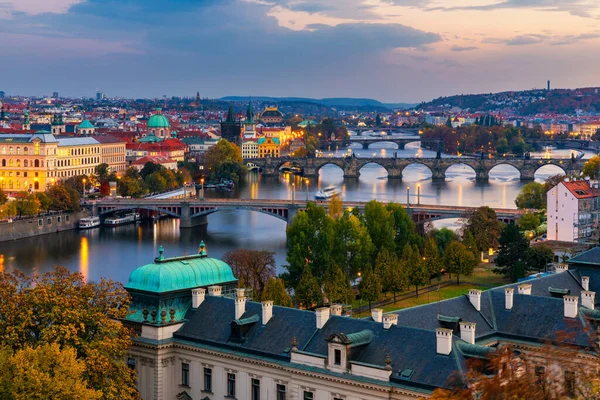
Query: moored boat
[(328, 193), (129, 218), (89, 222)]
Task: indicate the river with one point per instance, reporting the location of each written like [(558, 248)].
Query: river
[(115, 252)]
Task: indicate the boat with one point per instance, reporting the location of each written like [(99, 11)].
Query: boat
[(122, 219), (328, 193), (89, 222)]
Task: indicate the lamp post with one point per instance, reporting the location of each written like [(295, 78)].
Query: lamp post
[(407, 196), (184, 191), (202, 188), (306, 186), (84, 180), (418, 194), (293, 192)]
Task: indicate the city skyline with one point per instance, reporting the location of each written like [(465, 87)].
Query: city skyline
[(392, 51)]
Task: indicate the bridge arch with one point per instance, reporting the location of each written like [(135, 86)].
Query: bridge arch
[(415, 171), (167, 211), (277, 213), (339, 164), (370, 165), (502, 169), (553, 168), (461, 169)]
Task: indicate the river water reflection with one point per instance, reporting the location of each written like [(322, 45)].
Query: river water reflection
[(115, 252)]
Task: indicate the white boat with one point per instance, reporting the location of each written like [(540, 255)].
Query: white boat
[(89, 222), (328, 193), (122, 220)]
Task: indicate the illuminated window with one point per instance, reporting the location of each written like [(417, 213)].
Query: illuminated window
[(36, 149)]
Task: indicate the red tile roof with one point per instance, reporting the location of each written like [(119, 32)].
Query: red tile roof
[(581, 189), (154, 159)]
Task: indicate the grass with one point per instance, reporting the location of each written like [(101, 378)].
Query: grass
[(426, 298)]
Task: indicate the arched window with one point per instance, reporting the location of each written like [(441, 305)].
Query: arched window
[(36, 185), (25, 150), (36, 163), (18, 150), (10, 163), (10, 184), (18, 163), (3, 162), (10, 150), (26, 163)]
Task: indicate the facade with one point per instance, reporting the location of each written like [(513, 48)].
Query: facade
[(572, 208), (198, 340), (268, 147), (171, 148), (197, 146), (249, 123), (231, 128), (75, 156), (250, 148), (159, 125), (166, 162), (271, 116), (86, 128), (113, 152), (58, 126)]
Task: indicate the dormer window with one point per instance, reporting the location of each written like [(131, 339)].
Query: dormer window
[(337, 357)]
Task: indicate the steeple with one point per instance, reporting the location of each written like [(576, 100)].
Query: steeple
[(26, 124), (230, 115), (55, 119), (2, 114), (250, 114)]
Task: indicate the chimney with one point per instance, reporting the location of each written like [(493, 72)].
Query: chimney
[(508, 298), (587, 299), (467, 332), (198, 297), (336, 309), (475, 298), (240, 303), (267, 311), (571, 306), (322, 316), (562, 267), (377, 314), (389, 320), (214, 290), (444, 341), (585, 282), (524, 288)]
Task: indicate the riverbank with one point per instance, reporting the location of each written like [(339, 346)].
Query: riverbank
[(42, 224)]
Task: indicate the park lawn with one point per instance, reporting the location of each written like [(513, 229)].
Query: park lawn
[(426, 298), (485, 276)]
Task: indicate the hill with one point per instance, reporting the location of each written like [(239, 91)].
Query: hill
[(338, 102)]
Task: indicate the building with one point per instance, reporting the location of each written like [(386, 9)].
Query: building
[(58, 127), (198, 338), (197, 146), (250, 148), (572, 208), (271, 116), (75, 156), (159, 125), (231, 128), (165, 161), (171, 148), (86, 128), (113, 152), (268, 147), (249, 123)]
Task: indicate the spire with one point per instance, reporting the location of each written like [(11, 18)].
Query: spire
[(250, 114), (55, 119), (26, 117), (230, 115), (2, 114)]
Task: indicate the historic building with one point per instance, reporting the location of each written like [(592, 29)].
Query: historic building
[(159, 125), (249, 123), (86, 128), (198, 338), (58, 126), (231, 128), (113, 152), (271, 116), (250, 148), (269, 147)]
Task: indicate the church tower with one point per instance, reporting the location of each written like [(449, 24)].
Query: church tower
[(58, 126), (26, 125), (249, 123), (231, 129)]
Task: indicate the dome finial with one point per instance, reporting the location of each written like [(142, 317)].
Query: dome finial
[(161, 251), (201, 249)]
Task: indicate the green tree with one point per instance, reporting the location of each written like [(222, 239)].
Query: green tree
[(514, 248), (128, 186), (529, 222), (413, 264), (469, 241), (538, 257), (591, 166), (403, 226), (45, 201), (308, 292), (518, 145), (502, 146), (155, 182), (369, 286), (63, 198), (352, 247), (393, 276), (225, 159), (3, 197), (380, 225), (443, 237), (433, 261), (102, 171), (459, 260), (150, 168), (27, 205), (275, 291), (485, 228), (532, 195), (336, 286), (60, 307)]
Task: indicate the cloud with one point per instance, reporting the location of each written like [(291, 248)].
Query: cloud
[(580, 8), (463, 48), (523, 40), (8, 8)]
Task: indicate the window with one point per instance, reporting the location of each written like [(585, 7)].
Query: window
[(130, 360), (280, 392), (255, 389), (570, 383), (539, 374), (308, 395), (185, 374), (208, 380), (337, 357), (231, 385)]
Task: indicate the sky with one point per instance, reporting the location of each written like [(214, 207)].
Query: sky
[(389, 50)]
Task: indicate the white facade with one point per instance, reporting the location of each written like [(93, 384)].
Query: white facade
[(250, 149), (569, 216)]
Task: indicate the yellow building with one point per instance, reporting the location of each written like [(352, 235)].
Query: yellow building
[(76, 156), (113, 152), (268, 147)]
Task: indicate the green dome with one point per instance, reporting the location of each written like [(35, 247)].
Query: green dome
[(86, 125), (180, 273), (158, 121)]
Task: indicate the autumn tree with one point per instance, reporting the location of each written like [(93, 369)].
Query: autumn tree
[(3, 197), (532, 196), (275, 291), (60, 308), (253, 268), (44, 200), (64, 198), (336, 286), (459, 260), (591, 166), (308, 291), (335, 207), (414, 266), (485, 228), (27, 204), (224, 160)]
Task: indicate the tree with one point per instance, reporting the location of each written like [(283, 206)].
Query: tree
[(459, 260), (591, 166), (538, 257), (224, 159), (532, 195), (469, 241), (513, 248), (443, 237), (130, 187), (518, 145), (485, 228), (529, 222), (102, 171), (253, 268), (380, 225), (27, 205), (275, 291), (390, 270), (155, 182), (433, 261), (335, 207), (369, 286), (302, 152), (403, 226), (336, 286), (552, 181), (502, 146), (412, 263), (63, 198), (308, 291), (3, 197), (44, 200), (46, 371), (352, 247), (150, 168), (59, 307)]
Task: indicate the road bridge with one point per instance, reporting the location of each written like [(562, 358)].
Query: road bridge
[(438, 166), (401, 142), (194, 212)]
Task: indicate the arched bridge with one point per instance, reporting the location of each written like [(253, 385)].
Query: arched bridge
[(438, 166), (401, 142), (194, 212)]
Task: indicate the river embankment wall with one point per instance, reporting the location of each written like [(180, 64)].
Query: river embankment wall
[(39, 225)]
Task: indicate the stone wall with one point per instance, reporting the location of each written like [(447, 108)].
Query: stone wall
[(42, 225)]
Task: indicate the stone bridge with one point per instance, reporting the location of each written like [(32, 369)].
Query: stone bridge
[(438, 166), (193, 212), (401, 142)]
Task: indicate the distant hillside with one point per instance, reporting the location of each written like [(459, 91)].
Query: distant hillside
[(330, 102), (526, 102)]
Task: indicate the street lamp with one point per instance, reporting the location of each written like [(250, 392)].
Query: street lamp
[(202, 188), (184, 190), (84, 180), (408, 196), (306, 186), (293, 192), (418, 194)]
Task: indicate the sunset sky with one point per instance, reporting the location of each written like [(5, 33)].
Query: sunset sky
[(390, 50)]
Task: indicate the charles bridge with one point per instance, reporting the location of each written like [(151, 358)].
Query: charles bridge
[(194, 212), (351, 166)]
